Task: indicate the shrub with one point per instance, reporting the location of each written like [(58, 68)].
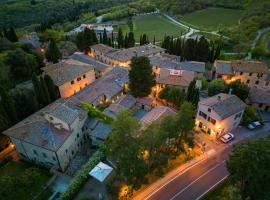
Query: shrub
[(82, 176)]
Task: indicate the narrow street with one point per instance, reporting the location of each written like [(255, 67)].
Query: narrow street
[(192, 181)]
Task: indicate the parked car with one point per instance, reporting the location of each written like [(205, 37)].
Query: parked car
[(255, 125), (226, 138)]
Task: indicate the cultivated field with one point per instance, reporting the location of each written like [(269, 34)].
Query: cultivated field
[(153, 25), (213, 18)]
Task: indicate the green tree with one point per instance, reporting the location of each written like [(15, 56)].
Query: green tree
[(44, 91), (22, 65), (239, 89), (204, 82), (193, 94), (131, 39), (80, 41), (8, 105), (105, 37), (52, 52), (123, 146), (11, 35), (202, 50), (173, 95), (51, 87), (37, 88), (216, 86), (141, 77), (249, 115), (25, 102), (248, 167), (186, 121), (120, 38)]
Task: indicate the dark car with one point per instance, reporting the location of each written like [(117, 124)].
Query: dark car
[(255, 125)]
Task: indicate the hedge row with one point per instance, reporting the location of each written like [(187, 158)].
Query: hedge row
[(82, 176)]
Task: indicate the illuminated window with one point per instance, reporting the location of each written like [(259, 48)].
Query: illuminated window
[(72, 82), (84, 76), (79, 78)]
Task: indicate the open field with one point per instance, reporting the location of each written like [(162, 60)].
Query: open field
[(153, 25), (14, 171), (213, 18)]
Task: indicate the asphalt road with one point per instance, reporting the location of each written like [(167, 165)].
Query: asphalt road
[(196, 181)]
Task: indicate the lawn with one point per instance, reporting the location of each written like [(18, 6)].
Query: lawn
[(213, 18), (14, 172), (153, 25)]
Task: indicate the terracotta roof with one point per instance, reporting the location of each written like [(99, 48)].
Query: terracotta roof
[(110, 85), (258, 95), (156, 114), (177, 80), (224, 105), (36, 130), (128, 54), (229, 67), (168, 63), (98, 66), (66, 70), (103, 48)]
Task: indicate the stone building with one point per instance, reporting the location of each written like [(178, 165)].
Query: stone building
[(70, 76)]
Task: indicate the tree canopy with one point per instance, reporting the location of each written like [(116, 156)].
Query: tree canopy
[(141, 78), (248, 166)]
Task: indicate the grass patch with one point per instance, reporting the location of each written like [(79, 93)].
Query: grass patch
[(15, 172), (153, 25), (213, 18)]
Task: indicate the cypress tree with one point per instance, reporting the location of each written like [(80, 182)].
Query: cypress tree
[(52, 52), (191, 89), (45, 91), (100, 38), (126, 41), (9, 106), (51, 87), (131, 39), (37, 89), (140, 40), (105, 38), (112, 39), (109, 42), (154, 41), (120, 38), (141, 77)]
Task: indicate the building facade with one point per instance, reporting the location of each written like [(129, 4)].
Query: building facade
[(70, 76), (52, 136), (259, 98), (252, 73), (219, 114)]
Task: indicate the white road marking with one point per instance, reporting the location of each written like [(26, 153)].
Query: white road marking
[(212, 187), (159, 188), (207, 172)]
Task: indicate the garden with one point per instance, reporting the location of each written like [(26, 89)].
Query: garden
[(20, 180)]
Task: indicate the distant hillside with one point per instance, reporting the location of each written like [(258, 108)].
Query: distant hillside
[(19, 13)]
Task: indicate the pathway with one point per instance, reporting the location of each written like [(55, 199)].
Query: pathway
[(192, 30)]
